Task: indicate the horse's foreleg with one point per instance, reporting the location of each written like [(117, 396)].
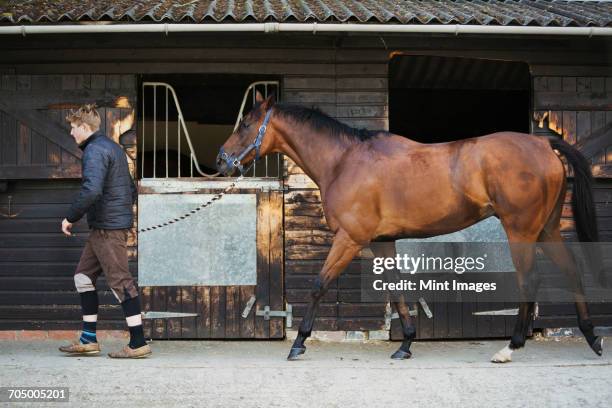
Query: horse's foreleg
[(342, 252)]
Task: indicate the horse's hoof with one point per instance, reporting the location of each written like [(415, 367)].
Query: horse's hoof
[(597, 346), (401, 355), (502, 356), (295, 353)]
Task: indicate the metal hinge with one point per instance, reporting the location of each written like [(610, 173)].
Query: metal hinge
[(267, 313), (507, 312), (287, 314), (166, 315), (269, 188), (414, 312)]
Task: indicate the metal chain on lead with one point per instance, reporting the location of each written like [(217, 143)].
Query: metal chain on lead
[(216, 197)]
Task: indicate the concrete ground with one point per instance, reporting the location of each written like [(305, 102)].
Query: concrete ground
[(547, 373)]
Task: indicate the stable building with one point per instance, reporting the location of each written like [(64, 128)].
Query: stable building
[(172, 79)]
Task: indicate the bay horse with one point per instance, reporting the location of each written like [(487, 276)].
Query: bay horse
[(376, 184)]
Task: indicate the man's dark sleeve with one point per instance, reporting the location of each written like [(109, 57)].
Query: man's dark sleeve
[(95, 167)]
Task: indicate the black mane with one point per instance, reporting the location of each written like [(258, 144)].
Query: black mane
[(322, 122)]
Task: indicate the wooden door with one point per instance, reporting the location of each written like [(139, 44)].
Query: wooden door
[(220, 308)]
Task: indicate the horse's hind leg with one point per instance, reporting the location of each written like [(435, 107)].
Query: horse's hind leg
[(342, 252), (523, 253), (408, 329), (556, 250), (406, 321)]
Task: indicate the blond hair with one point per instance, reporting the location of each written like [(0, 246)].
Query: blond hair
[(86, 114)]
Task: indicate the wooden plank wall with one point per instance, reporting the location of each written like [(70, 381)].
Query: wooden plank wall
[(354, 90), (29, 136), (26, 153), (37, 261), (579, 109)]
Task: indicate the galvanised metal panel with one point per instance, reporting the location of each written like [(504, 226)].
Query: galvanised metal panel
[(213, 247)]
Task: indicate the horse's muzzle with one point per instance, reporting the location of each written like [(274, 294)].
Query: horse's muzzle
[(223, 164)]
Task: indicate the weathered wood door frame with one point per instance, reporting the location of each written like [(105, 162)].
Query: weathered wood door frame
[(220, 308)]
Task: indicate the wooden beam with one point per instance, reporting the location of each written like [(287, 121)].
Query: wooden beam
[(596, 142), (44, 126), (572, 101), (570, 70), (70, 99), (241, 67), (39, 172), (602, 170)]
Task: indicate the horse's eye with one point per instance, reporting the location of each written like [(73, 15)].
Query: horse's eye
[(245, 125)]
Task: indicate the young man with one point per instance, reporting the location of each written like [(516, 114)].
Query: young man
[(106, 196)]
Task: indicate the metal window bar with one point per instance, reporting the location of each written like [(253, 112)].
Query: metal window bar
[(268, 87), (169, 90)]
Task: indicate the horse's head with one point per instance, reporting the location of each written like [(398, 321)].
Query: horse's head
[(250, 141)]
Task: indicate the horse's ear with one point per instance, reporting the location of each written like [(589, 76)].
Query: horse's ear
[(269, 102), (258, 97)]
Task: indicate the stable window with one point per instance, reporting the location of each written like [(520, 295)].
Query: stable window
[(438, 99)]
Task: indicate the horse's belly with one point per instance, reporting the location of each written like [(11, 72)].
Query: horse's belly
[(426, 221)]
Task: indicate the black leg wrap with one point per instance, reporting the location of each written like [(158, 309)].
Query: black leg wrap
[(318, 286), (304, 334), (89, 302), (409, 333), (587, 328), (305, 329), (131, 307), (517, 342), (403, 353)]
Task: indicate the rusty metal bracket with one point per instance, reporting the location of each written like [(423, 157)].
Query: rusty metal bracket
[(248, 307), (425, 307), (414, 312), (9, 215)]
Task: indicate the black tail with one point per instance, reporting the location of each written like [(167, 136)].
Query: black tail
[(583, 205)]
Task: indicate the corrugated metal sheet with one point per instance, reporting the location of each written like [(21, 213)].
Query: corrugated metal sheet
[(477, 12)]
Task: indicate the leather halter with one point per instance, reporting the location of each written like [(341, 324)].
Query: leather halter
[(235, 162)]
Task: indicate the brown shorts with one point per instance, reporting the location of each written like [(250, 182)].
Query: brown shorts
[(106, 252)]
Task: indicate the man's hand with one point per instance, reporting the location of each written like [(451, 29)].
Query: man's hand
[(66, 227)]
